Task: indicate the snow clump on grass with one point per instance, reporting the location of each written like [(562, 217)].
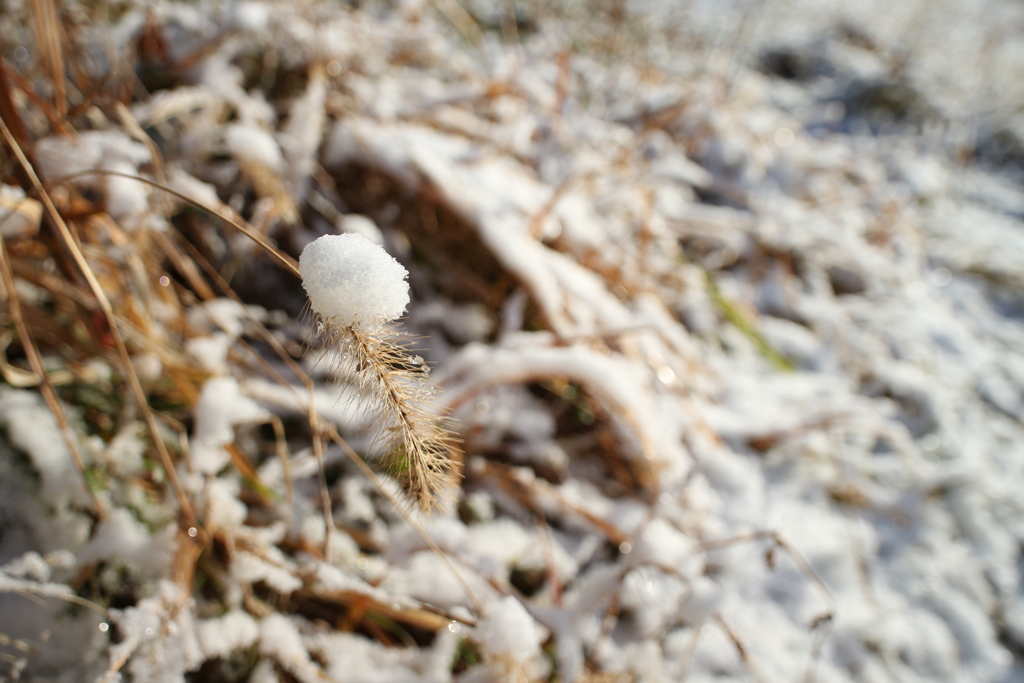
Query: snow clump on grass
[(356, 289), (352, 282)]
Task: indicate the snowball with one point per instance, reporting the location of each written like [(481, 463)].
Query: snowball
[(19, 215), (162, 628), (361, 225), (280, 639), (511, 639), (32, 429), (223, 635), (124, 453), (123, 538), (352, 282), (249, 568), (220, 408), (126, 198), (252, 143)]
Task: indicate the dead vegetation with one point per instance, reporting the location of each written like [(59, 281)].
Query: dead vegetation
[(649, 297)]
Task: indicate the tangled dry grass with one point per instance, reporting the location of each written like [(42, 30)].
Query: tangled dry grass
[(714, 358)]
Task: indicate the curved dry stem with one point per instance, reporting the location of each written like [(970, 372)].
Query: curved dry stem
[(223, 212), (312, 416)]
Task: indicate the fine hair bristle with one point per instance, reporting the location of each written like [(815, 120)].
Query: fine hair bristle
[(418, 447)]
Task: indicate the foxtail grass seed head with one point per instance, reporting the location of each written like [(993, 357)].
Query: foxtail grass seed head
[(356, 289), (352, 282)]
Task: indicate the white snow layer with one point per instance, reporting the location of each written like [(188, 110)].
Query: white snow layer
[(220, 636), (251, 143), (511, 640), (126, 199), (31, 428), (220, 408)]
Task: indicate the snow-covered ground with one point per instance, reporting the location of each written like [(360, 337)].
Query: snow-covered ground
[(726, 301)]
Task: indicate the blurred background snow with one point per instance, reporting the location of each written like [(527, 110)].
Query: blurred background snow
[(726, 300)]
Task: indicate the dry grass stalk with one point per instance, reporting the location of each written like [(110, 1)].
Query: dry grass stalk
[(418, 442), (107, 309), (418, 446), (49, 37), (36, 361), (346, 608), (221, 211)]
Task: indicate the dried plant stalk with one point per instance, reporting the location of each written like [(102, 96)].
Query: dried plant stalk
[(356, 289), (49, 37), (418, 446)]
